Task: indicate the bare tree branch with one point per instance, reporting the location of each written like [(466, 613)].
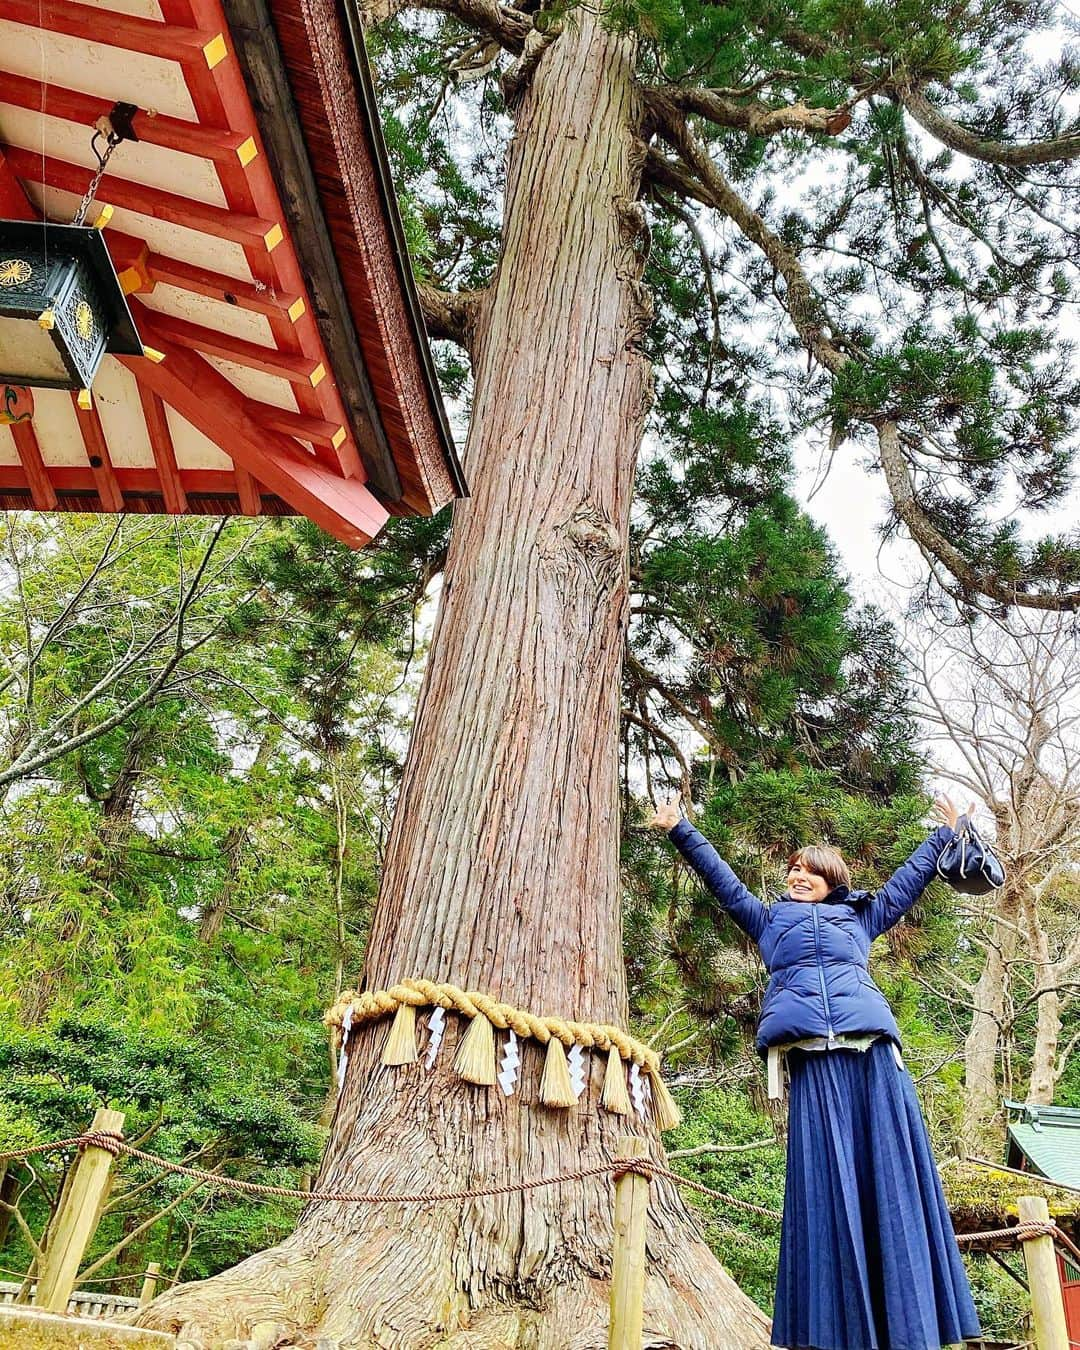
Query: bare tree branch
[(516, 80), (723, 1148)]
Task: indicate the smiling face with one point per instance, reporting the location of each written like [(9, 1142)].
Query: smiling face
[(803, 884)]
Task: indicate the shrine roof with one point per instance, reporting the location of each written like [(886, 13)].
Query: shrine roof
[(255, 232)]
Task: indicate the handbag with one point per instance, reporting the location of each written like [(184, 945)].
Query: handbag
[(969, 865)]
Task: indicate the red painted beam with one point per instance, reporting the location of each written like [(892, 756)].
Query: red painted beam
[(161, 442), (247, 490), (285, 365), (329, 438), (144, 482), (304, 428), (190, 138), (343, 507), (37, 476), (216, 286), (147, 201), (129, 251), (97, 454), (170, 41), (14, 203)]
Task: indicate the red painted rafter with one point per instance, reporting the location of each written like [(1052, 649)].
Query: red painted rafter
[(304, 428), (342, 507), (243, 294), (146, 201), (172, 42), (70, 478), (296, 369), (216, 86), (37, 476), (97, 454), (190, 138), (129, 252), (331, 440), (161, 442), (294, 329), (220, 97)]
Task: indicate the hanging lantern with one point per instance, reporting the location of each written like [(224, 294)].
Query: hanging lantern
[(61, 305)]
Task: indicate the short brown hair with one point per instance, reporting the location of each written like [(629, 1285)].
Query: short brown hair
[(825, 861)]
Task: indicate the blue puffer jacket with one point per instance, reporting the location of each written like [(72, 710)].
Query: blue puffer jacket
[(816, 954)]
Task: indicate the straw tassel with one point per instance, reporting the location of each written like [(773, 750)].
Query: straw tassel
[(475, 1058), (615, 1097), (400, 1045), (665, 1112), (555, 1086)]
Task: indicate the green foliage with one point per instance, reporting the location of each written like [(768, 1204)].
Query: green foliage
[(185, 883), (747, 1244), (184, 1097), (182, 894), (945, 277)]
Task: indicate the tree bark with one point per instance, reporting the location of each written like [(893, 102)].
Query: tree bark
[(235, 841), (502, 867), (982, 1097), (1044, 1054)]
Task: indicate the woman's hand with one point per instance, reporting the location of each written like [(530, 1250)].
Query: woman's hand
[(668, 815), (946, 811)]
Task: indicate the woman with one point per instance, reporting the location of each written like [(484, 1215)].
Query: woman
[(868, 1260)]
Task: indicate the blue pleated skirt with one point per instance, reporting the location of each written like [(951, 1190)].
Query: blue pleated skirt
[(868, 1260)]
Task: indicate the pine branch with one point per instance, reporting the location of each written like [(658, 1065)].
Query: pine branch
[(449, 314), (712, 187), (1014, 155), (672, 744), (508, 27), (700, 177), (934, 544), (911, 95), (649, 680), (757, 118)]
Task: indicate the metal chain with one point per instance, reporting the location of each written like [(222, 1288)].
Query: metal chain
[(112, 140)]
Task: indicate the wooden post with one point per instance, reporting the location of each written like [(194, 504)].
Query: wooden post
[(628, 1262), (76, 1219), (149, 1284), (1044, 1281)]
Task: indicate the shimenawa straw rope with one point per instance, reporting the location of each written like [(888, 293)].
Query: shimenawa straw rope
[(475, 1059)]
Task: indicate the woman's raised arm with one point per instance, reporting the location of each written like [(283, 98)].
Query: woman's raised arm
[(743, 906), (909, 881)]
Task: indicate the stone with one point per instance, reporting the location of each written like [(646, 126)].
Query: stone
[(34, 1329)]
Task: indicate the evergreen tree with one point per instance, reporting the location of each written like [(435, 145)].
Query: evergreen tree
[(855, 212)]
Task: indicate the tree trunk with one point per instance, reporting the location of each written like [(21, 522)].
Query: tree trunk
[(502, 867), (9, 1190), (235, 841), (1044, 1065), (982, 1099)]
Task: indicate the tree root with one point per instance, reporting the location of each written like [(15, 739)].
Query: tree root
[(356, 1298)]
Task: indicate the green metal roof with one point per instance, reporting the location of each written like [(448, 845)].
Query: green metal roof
[(1048, 1138)]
